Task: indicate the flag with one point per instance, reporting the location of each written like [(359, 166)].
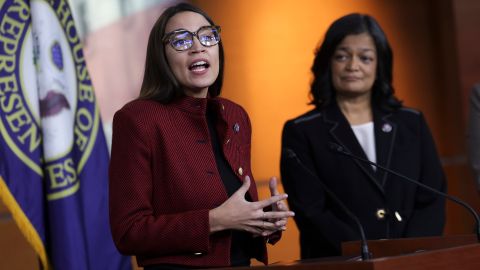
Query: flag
[(54, 157)]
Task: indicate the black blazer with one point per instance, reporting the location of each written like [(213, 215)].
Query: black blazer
[(403, 144)]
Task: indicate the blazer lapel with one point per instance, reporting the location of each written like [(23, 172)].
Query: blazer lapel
[(342, 134), (385, 134)]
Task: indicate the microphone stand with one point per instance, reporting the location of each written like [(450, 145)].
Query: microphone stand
[(363, 240), (341, 150)]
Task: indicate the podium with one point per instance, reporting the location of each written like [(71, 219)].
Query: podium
[(459, 252), (405, 246)]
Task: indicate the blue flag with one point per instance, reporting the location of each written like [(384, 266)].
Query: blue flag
[(54, 157)]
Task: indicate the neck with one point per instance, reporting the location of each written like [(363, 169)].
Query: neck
[(197, 93), (357, 110)]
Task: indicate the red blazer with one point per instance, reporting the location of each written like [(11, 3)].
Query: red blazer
[(164, 180)]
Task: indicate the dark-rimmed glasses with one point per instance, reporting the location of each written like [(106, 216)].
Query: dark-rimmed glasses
[(182, 39)]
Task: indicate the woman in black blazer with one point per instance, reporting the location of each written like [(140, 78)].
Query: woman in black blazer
[(355, 108)]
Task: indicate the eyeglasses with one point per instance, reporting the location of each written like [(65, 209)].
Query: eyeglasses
[(182, 40)]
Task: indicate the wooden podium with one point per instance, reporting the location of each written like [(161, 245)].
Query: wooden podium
[(456, 252)]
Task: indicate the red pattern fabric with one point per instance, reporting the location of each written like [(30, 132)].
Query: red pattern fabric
[(164, 180)]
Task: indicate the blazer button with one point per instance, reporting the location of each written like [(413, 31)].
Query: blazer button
[(398, 216), (381, 214), (240, 170)]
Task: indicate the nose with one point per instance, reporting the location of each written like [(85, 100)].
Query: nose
[(352, 65), (196, 46)]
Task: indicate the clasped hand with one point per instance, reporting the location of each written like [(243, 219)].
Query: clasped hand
[(237, 213)]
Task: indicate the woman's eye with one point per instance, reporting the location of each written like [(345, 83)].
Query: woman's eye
[(366, 59), (182, 43), (340, 57), (179, 42), (207, 38)]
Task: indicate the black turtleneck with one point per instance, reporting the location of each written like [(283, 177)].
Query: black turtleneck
[(241, 241)]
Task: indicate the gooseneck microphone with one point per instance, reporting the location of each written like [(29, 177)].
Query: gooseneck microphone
[(363, 242), (340, 149)]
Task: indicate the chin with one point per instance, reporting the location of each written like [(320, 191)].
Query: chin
[(354, 92), (201, 85)]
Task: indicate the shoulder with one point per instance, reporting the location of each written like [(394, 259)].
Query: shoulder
[(140, 106), (233, 112), (144, 108), (409, 119), (231, 106), (140, 111), (475, 97), (406, 114), (307, 123), (409, 111), (307, 118)]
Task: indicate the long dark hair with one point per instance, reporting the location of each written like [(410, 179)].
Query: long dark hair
[(322, 90), (159, 82)]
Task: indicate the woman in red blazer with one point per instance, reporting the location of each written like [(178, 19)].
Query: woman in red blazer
[(182, 193)]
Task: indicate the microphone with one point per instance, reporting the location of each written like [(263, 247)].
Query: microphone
[(340, 149), (363, 242)]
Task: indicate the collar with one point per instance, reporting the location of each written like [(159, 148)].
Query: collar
[(194, 105), (333, 114), (385, 133)]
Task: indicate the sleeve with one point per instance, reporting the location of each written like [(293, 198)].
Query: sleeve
[(473, 135), (135, 228), (306, 193), (428, 217)]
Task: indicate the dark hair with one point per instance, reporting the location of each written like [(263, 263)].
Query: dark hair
[(159, 82), (322, 90)]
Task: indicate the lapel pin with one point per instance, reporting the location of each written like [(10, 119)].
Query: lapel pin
[(386, 128), (236, 127)]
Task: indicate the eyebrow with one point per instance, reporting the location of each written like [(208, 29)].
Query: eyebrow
[(176, 30), (361, 49), (183, 29)]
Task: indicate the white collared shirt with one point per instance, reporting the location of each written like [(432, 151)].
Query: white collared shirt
[(366, 137)]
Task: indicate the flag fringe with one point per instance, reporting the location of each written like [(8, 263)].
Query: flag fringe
[(24, 224)]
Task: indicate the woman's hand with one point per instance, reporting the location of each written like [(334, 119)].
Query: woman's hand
[(236, 213), (279, 206)]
